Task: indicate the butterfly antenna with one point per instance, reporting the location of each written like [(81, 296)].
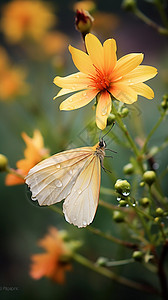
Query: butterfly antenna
[(108, 131)]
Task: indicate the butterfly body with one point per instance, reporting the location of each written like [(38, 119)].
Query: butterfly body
[(73, 175)]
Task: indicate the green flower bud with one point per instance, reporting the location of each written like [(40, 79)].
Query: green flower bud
[(118, 216), (129, 5), (157, 220), (3, 163), (145, 201), (159, 212), (149, 177), (123, 203), (124, 112), (128, 169), (102, 261), (164, 103), (142, 183), (110, 119), (137, 255), (122, 187)]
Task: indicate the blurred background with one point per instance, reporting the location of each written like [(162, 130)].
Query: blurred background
[(30, 58)]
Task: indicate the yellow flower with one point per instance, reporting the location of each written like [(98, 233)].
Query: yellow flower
[(33, 153), (12, 83), (49, 264), (26, 18), (102, 75)]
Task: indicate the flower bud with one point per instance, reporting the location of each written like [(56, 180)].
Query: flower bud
[(3, 163), (142, 183), (149, 177), (128, 169), (124, 112), (159, 212), (83, 21), (122, 187), (111, 119), (123, 203), (129, 5), (145, 201), (137, 255), (102, 261), (118, 216), (157, 220), (164, 103)]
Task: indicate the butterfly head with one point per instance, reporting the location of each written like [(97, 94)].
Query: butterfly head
[(102, 144)]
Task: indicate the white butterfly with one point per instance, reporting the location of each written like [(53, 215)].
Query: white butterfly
[(73, 175)]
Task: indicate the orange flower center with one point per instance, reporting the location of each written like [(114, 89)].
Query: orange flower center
[(100, 81)]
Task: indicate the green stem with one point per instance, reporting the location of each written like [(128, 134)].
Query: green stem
[(111, 275), (162, 13), (125, 131), (149, 22), (111, 206), (14, 172), (56, 209), (112, 238), (143, 150)]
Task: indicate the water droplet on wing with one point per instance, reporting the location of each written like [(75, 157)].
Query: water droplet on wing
[(58, 183), (84, 223), (58, 166)]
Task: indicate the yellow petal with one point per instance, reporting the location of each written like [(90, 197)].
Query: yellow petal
[(78, 100), (140, 74), (95, 51), (72, 83), (123, 93), (143, 90), (103, 110), (126, 64), (110, 57), (71, 80), (81, 60)]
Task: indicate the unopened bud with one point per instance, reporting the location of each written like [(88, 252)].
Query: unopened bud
[(164, 103), (149, 177), (124, 112), (118, 216), (83, 21), (137, 255), (129, 5), (3, 162), (123, 203), (110, 119), (102, 261), (159, 212), (122, 187), (145, 201), (128, 169)]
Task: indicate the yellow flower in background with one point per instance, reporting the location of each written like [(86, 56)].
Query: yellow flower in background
[(84, 5), (12, 84), (22, 19), (54, 42), (49, 264), (102, 75), (34, 153)]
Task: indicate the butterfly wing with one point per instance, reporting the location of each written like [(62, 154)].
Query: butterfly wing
[(80, 205), (52, 180)]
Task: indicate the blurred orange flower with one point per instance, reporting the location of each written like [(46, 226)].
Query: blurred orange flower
[(49, 264), (22, 19), (34, 153), (84, 5), (12, 83), (54, 42), (102, 75)]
